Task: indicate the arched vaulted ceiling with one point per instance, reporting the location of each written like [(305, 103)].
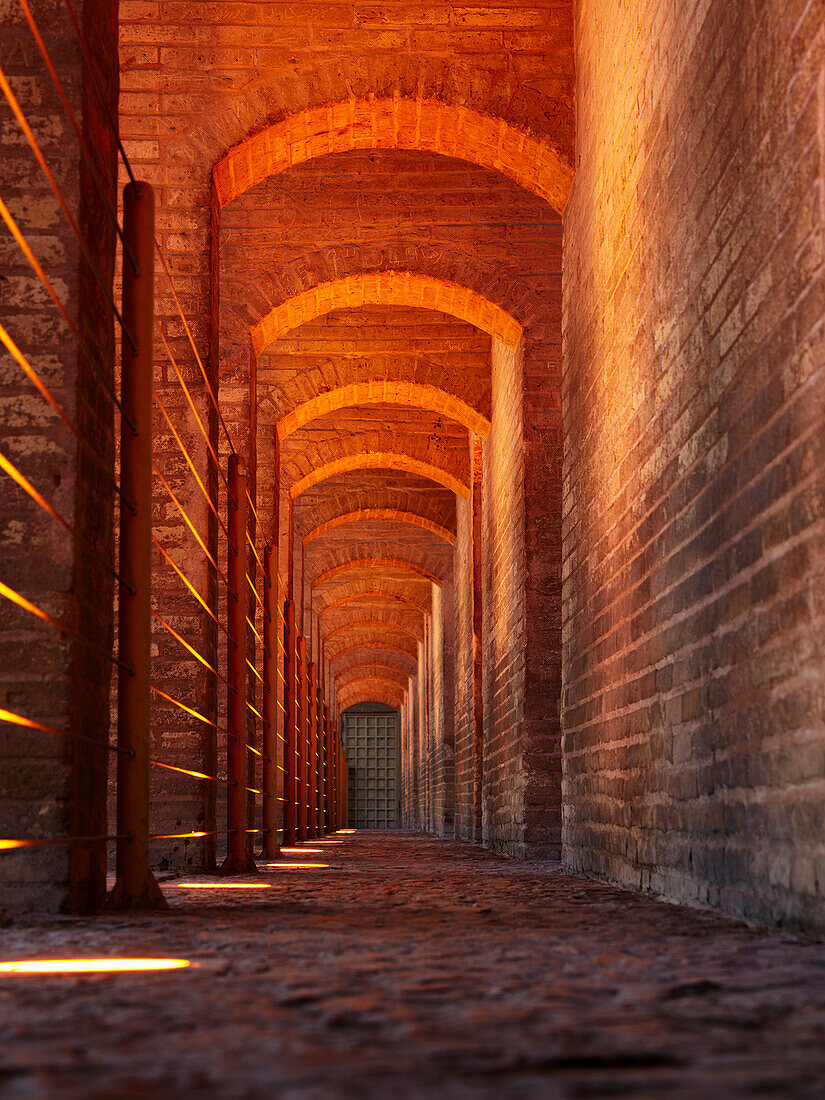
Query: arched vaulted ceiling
[(368, 258), (395, 123)]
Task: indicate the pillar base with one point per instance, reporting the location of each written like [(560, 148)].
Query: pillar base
[(238, 865), (272, 849), (149, 896)]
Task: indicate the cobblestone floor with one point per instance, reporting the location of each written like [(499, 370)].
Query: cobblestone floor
[(413, 967)]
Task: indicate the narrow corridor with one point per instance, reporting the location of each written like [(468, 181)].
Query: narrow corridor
[(411, 966)]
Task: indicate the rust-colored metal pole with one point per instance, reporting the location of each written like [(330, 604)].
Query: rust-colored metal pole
[(290, 726), (322, 710), (271, 848), (239, 859), (303, 739), (312, 751), (339, 822), (344, 790), (331, 795), (319, 727), (135, 886)]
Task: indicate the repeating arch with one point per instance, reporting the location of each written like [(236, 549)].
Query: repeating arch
[(389, 597), (371, 623), (375, 122), (385, 288), (371, 680), (377, 563), (385, 696), (384, 392), (395, 669), (371, 645), (413, 519), (379, 460)]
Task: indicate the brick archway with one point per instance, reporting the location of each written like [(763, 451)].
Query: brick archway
[(384, 392), (370, 683), (412, 519), (379, 461), (386, 287), (387, 671), (371, 645), (390, 699), (357, 624), (396, 122), (375, 564), (371, 594)]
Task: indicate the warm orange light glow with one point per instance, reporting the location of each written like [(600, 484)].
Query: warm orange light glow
[(220, 885), (347, 830), (89, 966), (380, 460), (6, 844), (299, 851), (293, 866), (177, 836), (384, 391)]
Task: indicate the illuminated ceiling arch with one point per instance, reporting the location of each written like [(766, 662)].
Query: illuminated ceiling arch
[(384, 392), (364, 623), (363, 515), (382, 695), (379, 460), (385, 668), (396, 122), (350, 685), (389, 597), (377, 563), (401, 288), (372, 645)]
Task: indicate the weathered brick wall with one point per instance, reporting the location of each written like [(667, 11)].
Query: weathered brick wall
[(438, 790), (693, 523), (503, 582), (377, 96), (464, 712), (50, 786)]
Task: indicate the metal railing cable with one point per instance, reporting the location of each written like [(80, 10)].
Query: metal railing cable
[(290, 733)]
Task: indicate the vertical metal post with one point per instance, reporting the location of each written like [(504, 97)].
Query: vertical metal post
[(330, 772), (290, 726), (312, 751), (344, 791), (239, 859), (135, 885), (339, 824), (325, 770), (269, 748), (303, 730)]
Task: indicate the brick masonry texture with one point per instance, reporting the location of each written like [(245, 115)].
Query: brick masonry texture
[(415, 967), (693, 485), (604, 636), (198, 82), (338, 317), (51, 786)]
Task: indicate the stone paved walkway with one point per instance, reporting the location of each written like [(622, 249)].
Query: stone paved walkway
[(413, 967)]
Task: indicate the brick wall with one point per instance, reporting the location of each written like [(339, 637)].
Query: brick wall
[(49, 786), (503, 579), (491, 81), (694, 541), (463, 670)]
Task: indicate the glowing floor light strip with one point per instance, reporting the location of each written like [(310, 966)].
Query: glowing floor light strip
[(220, 885), (293, 866), (89, 966), (301, 851)]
